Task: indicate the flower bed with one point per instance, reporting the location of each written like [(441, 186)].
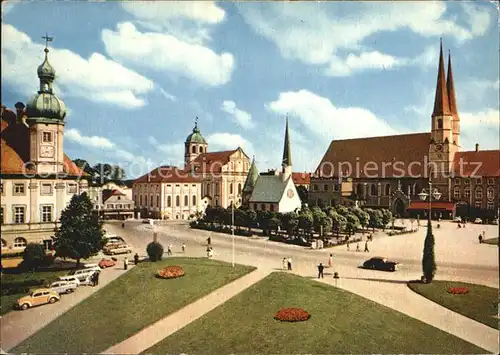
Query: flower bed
[(458, 290), (292, 315), (171, 272)]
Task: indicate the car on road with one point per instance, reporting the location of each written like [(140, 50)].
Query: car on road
[(71, 279), (380, 263), (37, 298), (146, 220), (105, 263), (63, 287), (118, 249), (495, 222), (83, 274), (457, 219), (110, 239), (478, 221)]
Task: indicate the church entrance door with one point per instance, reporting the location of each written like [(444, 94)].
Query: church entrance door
[(398, 208)]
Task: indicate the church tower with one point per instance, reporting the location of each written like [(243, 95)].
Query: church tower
[(450, 88), (45, 114), (286, 163), (195, 145)]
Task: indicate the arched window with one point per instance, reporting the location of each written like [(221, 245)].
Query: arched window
[(216, 189), (216, 202), (239, 188), (359, 190), (194, 200), (479, 193), (177, 201), (169, 201), (490, 193), (186, 200), (440, 123), (373, 190), (193, 149), (456, 193), (230, 188), (145, 200), (387, 189), (19, 242)]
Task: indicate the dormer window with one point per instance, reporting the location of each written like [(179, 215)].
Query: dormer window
[(47, 137)]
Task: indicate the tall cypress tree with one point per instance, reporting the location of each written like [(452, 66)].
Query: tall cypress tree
[(429, 260), (80, 235)]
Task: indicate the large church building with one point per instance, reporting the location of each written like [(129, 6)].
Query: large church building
[(390, 172)]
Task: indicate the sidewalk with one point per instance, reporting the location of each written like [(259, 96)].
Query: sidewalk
[(156, 332)]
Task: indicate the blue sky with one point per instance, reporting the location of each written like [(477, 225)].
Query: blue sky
[(134, 75)]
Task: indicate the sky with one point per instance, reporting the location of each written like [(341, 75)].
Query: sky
[(134, 75)]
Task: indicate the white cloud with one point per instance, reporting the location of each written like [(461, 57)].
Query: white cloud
[(317, 33), (489, 117), (193, 61), (74, 135), (96, 78), (242, 118), (480, 127), (229, 141), (326, 121)]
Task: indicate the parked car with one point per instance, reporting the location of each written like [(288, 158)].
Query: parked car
[(119, 249), (495, 221), (63, 286), (478, 221), (82, 274), (146, 220), (104, 263), (37, 298), (457, 219), (71, 279), (113, 239), (379, 263)]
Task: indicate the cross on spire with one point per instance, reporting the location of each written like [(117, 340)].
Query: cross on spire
[(47, 39)]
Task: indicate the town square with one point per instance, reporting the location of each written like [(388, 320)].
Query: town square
[(198, 177)]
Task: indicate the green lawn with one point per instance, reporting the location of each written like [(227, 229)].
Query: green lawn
[(128, 304), (493, 241), (480, 304), (16, 284), (341, 322)]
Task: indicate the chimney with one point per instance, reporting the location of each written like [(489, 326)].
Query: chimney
[(477, 147)]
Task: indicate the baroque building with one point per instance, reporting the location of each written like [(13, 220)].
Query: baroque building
[(37, 179), (390, 172)]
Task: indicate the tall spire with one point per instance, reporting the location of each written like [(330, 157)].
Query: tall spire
[(251, 180), (441, 103), (450, 88), (287, 153)]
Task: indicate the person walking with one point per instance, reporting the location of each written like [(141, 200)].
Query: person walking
[(348, 247), (284, 263), (211, 253), (136, 259), (320, 270), (169, 249), (366, 247), (183, 247), (96, 278), (330, 260), (125, 263), (289, 264), (480, 239), (209, 241), (357, 247)]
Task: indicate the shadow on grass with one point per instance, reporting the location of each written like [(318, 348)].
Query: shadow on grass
[(377, 280)]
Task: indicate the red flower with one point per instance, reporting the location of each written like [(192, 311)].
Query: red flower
[(171, 272), (458, 290), (292, 315)]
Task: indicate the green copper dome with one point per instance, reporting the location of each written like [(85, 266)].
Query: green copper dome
[(196, 136), (45, 70)]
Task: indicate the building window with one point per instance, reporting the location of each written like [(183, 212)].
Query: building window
[(208, 189), (157, 200), (216, 202), (145, 200), (20, 243), (456, 193), (194, 200), (118, 206), (325, 187), (110, 206), (186, 200), (491, 206), (169, 201), (479, 194), (46, 189), (255, 206), (1, 215), (46, 213), (239, 189), (19, 189), (315, 187), (1, 188), (373, 190), (457, 181), (151, 201), (177, 201), (193, 149), (387, 189), (263, 207), (490, 194), (491, 181), (217, 188), (440, 124), (4, 243), (467, 193), (479, 181), (231, 188), (467, 182), (47, 137), (272, 207), (140, 200), (19, 216), (478, 204)]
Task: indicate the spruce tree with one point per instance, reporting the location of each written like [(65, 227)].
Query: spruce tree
[(429, 260), (80, 235)]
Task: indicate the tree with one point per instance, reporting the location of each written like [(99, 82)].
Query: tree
[(33, 256), (428, 260), (80, 235), (273, 223), (363, 217), (320, 220), (338, 221), (290, 222), (155, 251), (85, 166), (108, 172), (240, 218), (251, 219), (306, 220), (375, 218), (303, 193), (386, 217), (352, 223), (342, 210)]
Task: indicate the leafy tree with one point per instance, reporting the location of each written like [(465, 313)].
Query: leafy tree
[(210, 215), (320, 220), (240, 218), (155, 251), (352, 223), (386, 217), (342, 210), (108, 172), (363, 217), (33, 256), (290, 221), (251, 219), (428, 260), (80, 235), (306, 220), (375, 218), (273, 223), (263, 218), (303, 193)]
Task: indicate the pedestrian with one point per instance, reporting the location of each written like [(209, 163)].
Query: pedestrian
[(169, 249), (211, 253), (320, 270), (208, 252), (96, 278), (123, 225), (484, 234), (183, 247), (480, 239), (136, 259), (330, 260), (284, 263), (209, 241), (92, 278), (366, 247), (357, 247), (125, 263), (289, 264), (348, 247)]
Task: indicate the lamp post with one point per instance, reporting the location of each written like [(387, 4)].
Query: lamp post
[(430, 193), (232, 227)]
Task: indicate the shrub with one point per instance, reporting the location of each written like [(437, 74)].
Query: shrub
[(292, 315), (171, 272), (155, 251), (33, 256)]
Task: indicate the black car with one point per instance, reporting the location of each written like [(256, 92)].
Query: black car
[(379, 263)]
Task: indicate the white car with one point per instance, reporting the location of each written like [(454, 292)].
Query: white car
[(63, 286), (71, 279), (118, 249), (457, 219), (478, 221), (111, 239), (495, 221), (83, 274)]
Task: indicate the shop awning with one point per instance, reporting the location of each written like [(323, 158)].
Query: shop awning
[(437, 205)]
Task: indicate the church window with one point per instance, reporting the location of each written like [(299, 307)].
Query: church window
[(467, 193), (216, 202), (157, 200), (373, 189), (440, 123), (239, 189), (490, 193), (467, 182), (217, 188), (479, 194), (177, 201), (456, 193), (230, 188), (491, 181), (47, 137), (193, 149), (201, 150), (387, 189), (325, 187), (169, 201), (186, 200), (478, 204), (140, 199), (491, 206), (151, 200)]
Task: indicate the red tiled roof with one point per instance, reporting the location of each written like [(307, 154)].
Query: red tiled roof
[(15, 148), (352, 156), (168, 174), (481, 163), (211, 162), (301, 178), (424, 205)]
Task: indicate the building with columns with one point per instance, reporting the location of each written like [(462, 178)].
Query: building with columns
[(390, 172), (37, 179)]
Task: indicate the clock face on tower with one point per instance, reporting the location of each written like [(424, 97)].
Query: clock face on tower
[(290, 193), (46, 151), (439, 147)]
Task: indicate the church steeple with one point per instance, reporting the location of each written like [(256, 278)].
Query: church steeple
[(450, 88), (441, 101), (253, 175), (286, 162)]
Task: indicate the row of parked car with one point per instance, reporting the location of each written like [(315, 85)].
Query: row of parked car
[(116, 245)]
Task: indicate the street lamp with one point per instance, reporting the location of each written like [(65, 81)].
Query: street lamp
[(232, 226), (431, 194)]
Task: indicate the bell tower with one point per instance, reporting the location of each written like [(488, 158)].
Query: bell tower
[(286, 163), (44, 115), (195, 145)]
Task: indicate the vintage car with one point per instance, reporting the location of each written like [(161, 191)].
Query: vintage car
[(37, 298), (379, 263), (105, 263)]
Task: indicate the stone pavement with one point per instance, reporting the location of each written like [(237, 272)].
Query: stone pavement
[(156, 332)]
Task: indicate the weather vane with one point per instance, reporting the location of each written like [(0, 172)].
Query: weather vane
[(47, 40)]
